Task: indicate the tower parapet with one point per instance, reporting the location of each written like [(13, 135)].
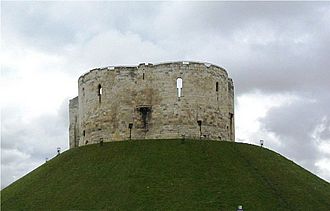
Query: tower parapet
[(162, 101)]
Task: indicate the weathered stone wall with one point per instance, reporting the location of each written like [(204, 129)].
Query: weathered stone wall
[(74, 124), (146, 96)]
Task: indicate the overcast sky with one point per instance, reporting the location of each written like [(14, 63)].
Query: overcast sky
[(276, 52)]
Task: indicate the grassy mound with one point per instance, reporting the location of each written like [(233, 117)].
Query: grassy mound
[(168, 175)]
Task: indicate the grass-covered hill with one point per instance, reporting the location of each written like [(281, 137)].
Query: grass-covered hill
[(168, 175)]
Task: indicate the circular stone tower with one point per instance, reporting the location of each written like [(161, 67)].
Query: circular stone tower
[(162, 101)]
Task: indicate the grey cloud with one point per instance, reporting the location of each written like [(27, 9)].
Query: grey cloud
[(18, 167), (212, 31), (325, 134), (27, 144), (294, 55), (54, 25), (34, 25), (274, 47), (224, 18), (10, 156), (295, 124)]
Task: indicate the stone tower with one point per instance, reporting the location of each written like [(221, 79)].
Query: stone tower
[(161, 101)]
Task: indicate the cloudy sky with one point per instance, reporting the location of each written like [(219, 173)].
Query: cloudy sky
[(276, 52)]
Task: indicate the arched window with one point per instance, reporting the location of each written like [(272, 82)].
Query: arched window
[(99, 88), (179, 85)]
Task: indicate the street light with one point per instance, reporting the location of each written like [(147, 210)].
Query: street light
[(199, 122), (58, 150), (183, 138), (261, 143), (130, 126)]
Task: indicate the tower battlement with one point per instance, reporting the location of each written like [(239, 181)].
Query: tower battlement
[(153, 101)]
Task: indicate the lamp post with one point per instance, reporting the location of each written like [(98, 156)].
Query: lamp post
[(183, 138), (261, 143), (130, 126), (58, 150), (199, 122)]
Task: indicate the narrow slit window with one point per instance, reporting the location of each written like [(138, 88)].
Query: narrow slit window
[(83, 92), (84, 133), (231, 117), (217, 86), (179, 85), (142, 76), (99, 90)]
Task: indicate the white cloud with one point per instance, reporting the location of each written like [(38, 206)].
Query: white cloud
[(250, 108), (116, 48), (36, 81), (323, 168)]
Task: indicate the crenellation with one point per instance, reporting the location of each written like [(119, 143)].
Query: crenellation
[(147, 97)]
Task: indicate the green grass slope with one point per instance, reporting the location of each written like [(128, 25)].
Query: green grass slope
[(168, 175)]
